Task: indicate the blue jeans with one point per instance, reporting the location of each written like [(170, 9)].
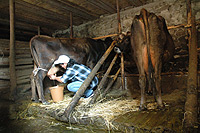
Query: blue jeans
[(74, 86)]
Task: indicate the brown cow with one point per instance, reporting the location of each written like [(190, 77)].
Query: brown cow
[(151, 46)]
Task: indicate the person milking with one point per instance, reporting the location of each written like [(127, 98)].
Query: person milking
[(76, 73)]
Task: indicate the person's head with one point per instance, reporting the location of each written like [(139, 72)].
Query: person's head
[(62, 61)]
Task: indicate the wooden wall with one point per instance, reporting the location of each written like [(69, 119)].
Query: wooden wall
[(24, 66)]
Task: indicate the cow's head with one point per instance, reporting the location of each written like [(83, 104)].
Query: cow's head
[(123, 43)]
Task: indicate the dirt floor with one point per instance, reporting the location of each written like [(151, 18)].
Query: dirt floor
[(119, 110)]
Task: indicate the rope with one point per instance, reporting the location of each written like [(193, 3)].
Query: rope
[(35, 71)]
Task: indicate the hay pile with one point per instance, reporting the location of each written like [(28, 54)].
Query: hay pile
[(108, 110)]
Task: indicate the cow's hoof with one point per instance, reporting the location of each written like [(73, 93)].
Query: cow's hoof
[(161, 107), (150, 93), (45, 103), (34, 100), (142, 108)]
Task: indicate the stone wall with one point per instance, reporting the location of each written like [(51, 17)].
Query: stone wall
[(174, 12)]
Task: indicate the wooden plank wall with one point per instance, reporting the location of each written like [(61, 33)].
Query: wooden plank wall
[(24, 65)]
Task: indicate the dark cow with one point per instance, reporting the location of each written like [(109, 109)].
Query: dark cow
[(45, 50), (151, 46)]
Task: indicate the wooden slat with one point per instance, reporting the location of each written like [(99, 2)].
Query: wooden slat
[(135, 3), (38, 11), (23, 81), (4, 83), (24, 67), (57, 7), (102, 5), (23, 61), (5, 61), (23, 77), (23, 86), (78, 10), (24, 72), (4, 73)]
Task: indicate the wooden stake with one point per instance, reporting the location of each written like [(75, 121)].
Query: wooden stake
[(122, 71), (38, 30), (86, 83), (101, 37), (71, 25), (118, 17), (111, 83), (191, 104), (13, 81), (103, 80)]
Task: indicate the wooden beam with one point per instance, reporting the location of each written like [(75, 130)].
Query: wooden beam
[(13, 83), (102, 5), (101, 37), (78, 10), (118, 17), (26, 8), (135, 3)]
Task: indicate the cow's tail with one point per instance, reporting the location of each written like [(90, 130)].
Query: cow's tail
[(150, 65), (33, 51)]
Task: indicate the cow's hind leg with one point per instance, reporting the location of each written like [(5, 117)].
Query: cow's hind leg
[(158, 85), (150, 87), (142, 84), (33, 89), (39, 84)]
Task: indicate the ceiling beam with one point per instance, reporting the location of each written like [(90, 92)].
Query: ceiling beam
[(102, 5), (135, 3), (74, 8), (62, 8), (38, 11)]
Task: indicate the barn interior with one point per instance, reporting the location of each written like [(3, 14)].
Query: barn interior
[(94, 19)]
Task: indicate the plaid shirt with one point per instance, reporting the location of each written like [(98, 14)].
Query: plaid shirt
[(78, 73)]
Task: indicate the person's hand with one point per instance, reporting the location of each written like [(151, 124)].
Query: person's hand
[(52, 77)]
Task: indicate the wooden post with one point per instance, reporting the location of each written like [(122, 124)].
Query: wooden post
[(13, 81), (86, 83), (38, 30), (103, 80), (111, 83), (118, 17), (71, 25), (122, 57), (122, 71), (191, 104)]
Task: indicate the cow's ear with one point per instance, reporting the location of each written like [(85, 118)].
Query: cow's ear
[(121, 36), (128, 33)]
